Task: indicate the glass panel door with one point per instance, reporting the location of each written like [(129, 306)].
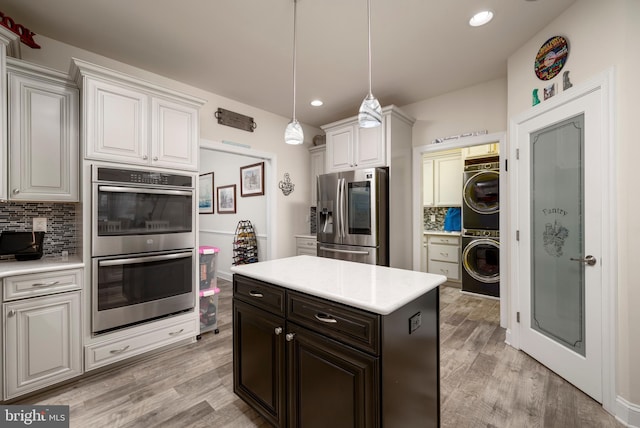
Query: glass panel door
[(557, 234)]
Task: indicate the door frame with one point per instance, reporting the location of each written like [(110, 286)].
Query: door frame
[(505, 203), (604, 83)]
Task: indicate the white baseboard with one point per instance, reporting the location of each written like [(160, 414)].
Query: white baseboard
[(507, 337), (225, 275), (627, 413)]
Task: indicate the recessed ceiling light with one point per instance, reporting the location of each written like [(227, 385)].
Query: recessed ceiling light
[(316, 103), (481, 18)]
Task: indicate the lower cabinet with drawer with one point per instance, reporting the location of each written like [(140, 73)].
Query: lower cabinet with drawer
[(443, 256), (306, 245), (140, 339), (42, 341), (304, 361)]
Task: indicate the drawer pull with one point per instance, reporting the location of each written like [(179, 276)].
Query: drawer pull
[(277, 331), (325, 318), (256, 294), (119, 351), (173, 333), (444, 254), (45, 284)]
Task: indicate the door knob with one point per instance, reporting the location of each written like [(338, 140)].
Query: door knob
[(588, 260)]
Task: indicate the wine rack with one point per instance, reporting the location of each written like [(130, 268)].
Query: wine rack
[(245, 245)]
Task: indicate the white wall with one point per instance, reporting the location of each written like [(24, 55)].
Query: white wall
[(476, 108), (603, 34), (268, 136)]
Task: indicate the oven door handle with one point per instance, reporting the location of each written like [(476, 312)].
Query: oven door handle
[(134, 260), (116, 189)]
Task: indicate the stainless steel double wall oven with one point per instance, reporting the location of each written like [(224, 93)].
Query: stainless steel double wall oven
[(142, 246)]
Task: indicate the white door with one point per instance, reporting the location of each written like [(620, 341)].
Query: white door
[(560, 246)]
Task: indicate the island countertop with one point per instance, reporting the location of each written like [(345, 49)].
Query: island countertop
[(377, 289)]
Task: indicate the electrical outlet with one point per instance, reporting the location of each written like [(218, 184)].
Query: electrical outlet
[(433, 217), (415, 322), (40, 224)]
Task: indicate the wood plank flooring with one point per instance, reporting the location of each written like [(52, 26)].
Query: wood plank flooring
[(485, 383)]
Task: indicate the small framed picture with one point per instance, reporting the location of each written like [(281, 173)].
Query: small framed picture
[(252, 180), (205, 197), (227, 199)]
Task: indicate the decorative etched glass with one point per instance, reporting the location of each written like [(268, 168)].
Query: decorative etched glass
[(557, 231), (370, 114), (293, 133)]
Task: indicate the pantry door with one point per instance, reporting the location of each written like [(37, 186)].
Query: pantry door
[(560, 228)]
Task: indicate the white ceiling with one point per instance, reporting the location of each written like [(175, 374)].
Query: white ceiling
[(242, 49)]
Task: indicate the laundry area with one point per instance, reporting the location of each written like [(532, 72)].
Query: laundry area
[(461, 217)]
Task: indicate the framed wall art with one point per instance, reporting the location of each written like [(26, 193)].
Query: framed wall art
[(205, 197), (227, 199), (252, 180)]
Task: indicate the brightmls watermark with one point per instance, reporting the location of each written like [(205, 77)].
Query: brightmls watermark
[(34, 416)]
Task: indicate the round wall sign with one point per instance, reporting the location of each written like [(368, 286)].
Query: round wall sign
[(551, 58)]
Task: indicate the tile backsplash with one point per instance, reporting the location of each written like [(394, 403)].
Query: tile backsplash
[(439, 212), (313, 227), (63, 228)]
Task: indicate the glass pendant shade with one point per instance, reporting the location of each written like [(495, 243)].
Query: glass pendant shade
[(370, 113), (293, 133)]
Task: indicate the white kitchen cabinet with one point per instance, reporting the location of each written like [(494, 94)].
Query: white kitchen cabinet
[(483, 150), (351, 147), (443, 255), (43, 134), (140, 339), (127, 120), (444, 189), (306, 245), (42, 318), (9, 45), (317, 155)]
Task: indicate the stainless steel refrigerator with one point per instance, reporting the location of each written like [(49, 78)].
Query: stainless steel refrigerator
[(352, 216)]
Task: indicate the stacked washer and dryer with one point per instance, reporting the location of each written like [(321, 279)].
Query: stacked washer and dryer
[(481, 227)]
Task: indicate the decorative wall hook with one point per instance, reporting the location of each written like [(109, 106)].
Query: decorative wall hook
[(286, 185)]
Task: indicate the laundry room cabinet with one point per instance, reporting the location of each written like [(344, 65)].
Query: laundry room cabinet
[(443, 255), (130, 121), (442, 179)]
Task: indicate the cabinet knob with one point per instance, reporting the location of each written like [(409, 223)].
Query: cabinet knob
[(145, 157), (277, 331), (290, 336), (16, 191), (155, 158), (11, 313)]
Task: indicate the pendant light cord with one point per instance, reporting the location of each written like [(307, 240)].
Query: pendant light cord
[(369, 40), (295, 4)]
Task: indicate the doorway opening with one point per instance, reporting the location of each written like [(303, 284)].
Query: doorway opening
[(218, 229), (472, 145)]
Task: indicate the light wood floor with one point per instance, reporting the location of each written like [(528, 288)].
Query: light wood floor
[(485, 383)]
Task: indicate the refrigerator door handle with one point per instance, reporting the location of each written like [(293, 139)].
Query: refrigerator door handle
[(343, 202), (334, 250), (338, 220)]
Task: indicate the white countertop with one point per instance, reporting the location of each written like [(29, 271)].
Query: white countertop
[(442, 232), (373, 288), (13, 267)]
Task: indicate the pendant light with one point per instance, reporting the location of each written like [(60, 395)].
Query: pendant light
[(293, 133), (370, 113)]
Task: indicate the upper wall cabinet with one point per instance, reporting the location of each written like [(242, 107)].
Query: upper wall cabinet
[(127, 120), (351, 147), (9, 45), (43, 134), (442, 179)]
